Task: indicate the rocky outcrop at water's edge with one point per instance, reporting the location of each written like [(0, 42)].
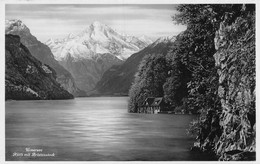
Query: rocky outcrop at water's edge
[(230, 133)]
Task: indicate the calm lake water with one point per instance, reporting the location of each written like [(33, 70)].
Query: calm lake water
[(94, 129)]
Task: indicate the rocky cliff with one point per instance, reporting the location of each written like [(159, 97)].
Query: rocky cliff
[(230, 133), (43, 53), (26, 78)]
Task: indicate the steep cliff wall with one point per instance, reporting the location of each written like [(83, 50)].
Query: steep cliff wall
[(26, 78), (42, 53), (230, 132), (235, 59)]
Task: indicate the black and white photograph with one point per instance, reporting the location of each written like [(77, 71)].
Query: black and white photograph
[(129, 81)]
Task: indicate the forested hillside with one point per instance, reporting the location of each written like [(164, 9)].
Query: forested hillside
[(118, 79), (209, 70)]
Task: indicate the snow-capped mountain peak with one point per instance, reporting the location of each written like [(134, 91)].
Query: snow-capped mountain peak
[(97, 25), (15, 25), (98, 38)]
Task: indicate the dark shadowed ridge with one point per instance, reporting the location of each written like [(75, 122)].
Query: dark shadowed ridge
[(117, 80), (42, 53), (26, 78)]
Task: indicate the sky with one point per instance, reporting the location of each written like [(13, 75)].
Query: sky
[(57, 21)]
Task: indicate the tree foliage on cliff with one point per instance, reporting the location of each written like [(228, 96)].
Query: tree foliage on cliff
[(192, 79), (211, 69), (149, 80), (193, 66), (195, 51), (175, 87), (228, 129)]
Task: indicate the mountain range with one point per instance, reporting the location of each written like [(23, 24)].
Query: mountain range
[(118, 79), (97, 61), (88, 54)]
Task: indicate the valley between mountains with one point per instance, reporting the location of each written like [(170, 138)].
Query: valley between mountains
[(207, 71), (87, 62)]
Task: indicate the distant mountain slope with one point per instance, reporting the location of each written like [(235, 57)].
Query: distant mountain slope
[(28, 78), (90, 53), (42, 53), (98, 38), (118, 79)]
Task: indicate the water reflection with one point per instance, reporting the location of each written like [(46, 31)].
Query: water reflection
[(94, 129)]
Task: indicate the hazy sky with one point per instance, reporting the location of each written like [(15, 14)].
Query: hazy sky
[(57, 21)]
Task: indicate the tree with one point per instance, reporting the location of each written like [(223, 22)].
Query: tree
[(148, 81), (175, 87), (195, 51)]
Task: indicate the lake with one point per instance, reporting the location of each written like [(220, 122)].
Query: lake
[(94, 129)]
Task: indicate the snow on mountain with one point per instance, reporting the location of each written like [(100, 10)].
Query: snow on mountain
[(98, 38), (145, 39), (165, 39), (15, 25)]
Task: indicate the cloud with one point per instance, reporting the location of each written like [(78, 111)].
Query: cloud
[(152, 28), (51, 21)]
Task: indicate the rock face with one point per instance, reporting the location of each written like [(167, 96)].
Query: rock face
[(90, 53), (235, 58), (232, 130), (118, 79), (43, 54), (26, 78)]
